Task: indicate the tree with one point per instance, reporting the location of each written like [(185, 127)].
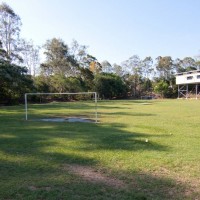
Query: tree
[(147, 67), (133, 65), (14, 82), (30, 55), (198, 64), (106, 67), (95, 67), (165, 66), (42, 83), (186, 64), (87, 78), (178, 66), (10, 24), (134, 69), (166, 88), (58, 59), (161, 87), (146, 85), (2, 52), (109, 86), (118, 70), (133, 82), (74, 84), (79, 52)]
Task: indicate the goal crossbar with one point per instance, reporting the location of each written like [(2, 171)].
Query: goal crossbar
[(65, 93)]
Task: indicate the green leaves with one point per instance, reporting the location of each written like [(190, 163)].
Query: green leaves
[(10, 24), (14, 82), (58, 59), (109, 86)]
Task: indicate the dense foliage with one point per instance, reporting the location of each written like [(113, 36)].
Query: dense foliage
[(14, 82), (70, 68)]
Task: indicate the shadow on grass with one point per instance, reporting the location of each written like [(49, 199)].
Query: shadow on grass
[(127, 114), (33, 155), (76, 105)]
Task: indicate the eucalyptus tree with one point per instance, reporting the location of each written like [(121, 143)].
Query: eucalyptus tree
[(147, 74), (165, 66), (198, 64), (186, 64), (58, 59), (118, 70), (147, 67), (106, 66), (178, 65), (30, 55), (60, 69), (133, 67), (10, 24), (80, 53), (2, 52)]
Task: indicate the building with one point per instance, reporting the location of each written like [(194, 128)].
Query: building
[(188, 84)]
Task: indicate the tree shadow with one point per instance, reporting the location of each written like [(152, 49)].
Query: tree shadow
[(53, 180), (33, 156), (128, 114), (110, 137)]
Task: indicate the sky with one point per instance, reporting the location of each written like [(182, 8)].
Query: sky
[(114, 30)]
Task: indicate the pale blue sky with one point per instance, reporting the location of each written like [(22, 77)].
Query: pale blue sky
[(114, 30)]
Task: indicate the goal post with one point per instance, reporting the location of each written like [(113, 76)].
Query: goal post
[(67, 98)]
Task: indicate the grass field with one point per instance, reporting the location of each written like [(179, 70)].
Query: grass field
[(139, 150)]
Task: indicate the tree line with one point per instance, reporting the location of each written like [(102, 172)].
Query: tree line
[(71, 68)]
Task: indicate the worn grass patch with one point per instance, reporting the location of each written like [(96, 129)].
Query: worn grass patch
[(139, 150)]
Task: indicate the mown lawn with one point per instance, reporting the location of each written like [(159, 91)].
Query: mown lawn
[(139, 150)]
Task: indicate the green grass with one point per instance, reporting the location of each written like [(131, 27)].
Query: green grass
[(108, 160)]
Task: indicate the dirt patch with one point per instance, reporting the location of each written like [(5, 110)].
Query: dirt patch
[(190, 186), (94, 176)]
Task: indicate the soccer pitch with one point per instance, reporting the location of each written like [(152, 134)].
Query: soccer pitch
[(138, 150)]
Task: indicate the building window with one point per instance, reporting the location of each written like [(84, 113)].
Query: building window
[(189, 77), (198, 76)]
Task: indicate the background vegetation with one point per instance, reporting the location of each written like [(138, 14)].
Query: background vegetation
[(71, 68)]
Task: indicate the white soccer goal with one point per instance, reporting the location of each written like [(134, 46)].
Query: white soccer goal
[(72, 107)]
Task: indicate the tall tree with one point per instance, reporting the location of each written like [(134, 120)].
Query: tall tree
[(165, 66), (118, 70), (186, 64), (2, 52), (198, 64), (133, 65), (147, 67), (10, 24), (58, 59), (106, 67), (79, 52), (178, 65), (30, 54)]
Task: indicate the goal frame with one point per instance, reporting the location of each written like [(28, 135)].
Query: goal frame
[(70, 93)]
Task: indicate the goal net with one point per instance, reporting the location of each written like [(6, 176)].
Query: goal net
[(72, 107)]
